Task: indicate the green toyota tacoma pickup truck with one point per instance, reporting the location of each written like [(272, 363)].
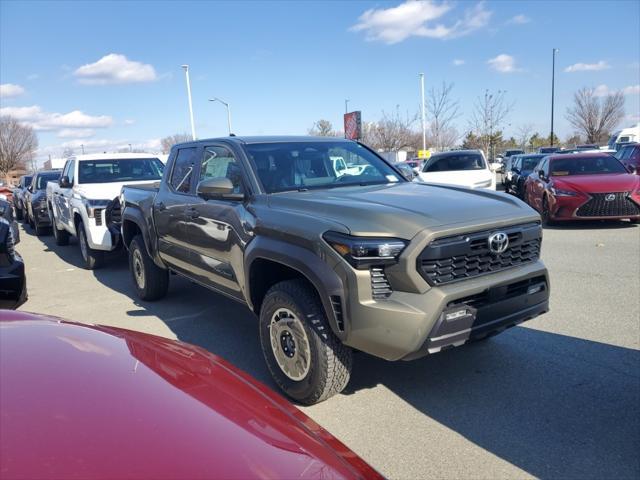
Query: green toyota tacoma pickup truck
[(334, 260)]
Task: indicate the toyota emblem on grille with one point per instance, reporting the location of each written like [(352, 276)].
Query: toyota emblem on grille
[(610, 198), (498, 242)]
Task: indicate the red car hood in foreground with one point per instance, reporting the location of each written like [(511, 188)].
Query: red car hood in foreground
[(604, 183), (80, 401)]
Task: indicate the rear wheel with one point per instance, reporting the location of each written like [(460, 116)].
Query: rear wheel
[(92, 259), (307, 361), (150, 281), (39, 229)]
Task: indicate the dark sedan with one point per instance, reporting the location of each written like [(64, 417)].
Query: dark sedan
[(35, 200), (18, 195), (13, 283), (82, 401), (522, 167)]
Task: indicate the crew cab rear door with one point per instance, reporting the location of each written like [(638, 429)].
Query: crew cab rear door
[(215, 227)]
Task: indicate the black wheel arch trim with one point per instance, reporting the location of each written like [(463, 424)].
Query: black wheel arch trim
[(323, 278), (136, 217)]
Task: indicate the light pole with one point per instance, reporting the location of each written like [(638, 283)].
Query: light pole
[(186, 74), (130, 149), (82, 146), (424, 118), (216, 99), (553, 86), (346, 105)]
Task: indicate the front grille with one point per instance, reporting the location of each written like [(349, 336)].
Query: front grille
[(460, 257), (380, 288), (619, 206), (498, 294)]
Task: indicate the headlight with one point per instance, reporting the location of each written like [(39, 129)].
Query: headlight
[(562, 193), (93, 206), (362, 252)]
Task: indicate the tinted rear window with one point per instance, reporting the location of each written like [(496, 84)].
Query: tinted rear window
[(463, 161)]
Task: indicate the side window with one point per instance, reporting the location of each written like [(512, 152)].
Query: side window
[(219, 162), (182, 172)]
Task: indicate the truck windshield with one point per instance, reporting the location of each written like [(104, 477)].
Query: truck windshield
[(119, 170), (285, 166), (43, 178)]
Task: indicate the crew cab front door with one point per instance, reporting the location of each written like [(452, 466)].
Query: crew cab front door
[(215, 228)]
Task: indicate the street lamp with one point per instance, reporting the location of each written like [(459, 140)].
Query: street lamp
[(215, 99), (130, 149), (186, 74), (553, 85), (424, 118), (346, 105)]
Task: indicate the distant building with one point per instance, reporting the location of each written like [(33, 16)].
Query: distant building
[(54, 163)]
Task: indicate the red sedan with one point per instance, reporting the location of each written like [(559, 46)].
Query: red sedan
[(90, 402), (583, 186)]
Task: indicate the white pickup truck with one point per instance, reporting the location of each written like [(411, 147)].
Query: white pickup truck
[(78, 203)]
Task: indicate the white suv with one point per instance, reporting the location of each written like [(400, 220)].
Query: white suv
[(466, 168), (89, 183)]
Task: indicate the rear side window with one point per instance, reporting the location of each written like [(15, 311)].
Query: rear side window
[(182, 174), (468, 161)]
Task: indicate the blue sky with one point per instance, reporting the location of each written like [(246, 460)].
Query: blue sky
[(284, 65)]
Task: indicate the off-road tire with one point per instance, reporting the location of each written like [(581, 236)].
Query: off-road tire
[(40, 230), (330, 360), (545, 214), (92, 259), (156, 279)]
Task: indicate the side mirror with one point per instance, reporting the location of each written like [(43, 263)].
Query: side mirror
[(541, 174), (631, 169), (220, 188), (64, 182)]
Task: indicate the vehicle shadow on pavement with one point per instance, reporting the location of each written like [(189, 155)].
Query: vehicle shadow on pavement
[(553, 405)]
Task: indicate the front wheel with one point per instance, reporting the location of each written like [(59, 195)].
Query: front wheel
[(150, 281), (307, 361), (61, 236), (546, 212), (92, 259)]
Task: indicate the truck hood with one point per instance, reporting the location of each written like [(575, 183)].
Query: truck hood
[(106, 191), (402, 209)]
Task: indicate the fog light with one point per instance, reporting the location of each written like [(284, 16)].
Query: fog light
[(455, 314), (535, 289)]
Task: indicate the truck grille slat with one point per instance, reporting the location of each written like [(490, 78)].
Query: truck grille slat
[(460, 257), (598, 206), (380, 288)]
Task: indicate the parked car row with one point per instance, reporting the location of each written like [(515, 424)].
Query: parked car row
[(329, 261), (13, 282), (579, 186)]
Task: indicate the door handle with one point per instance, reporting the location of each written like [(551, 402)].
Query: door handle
[(161, 206), (192, 213)]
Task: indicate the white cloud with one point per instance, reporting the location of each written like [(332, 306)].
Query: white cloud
[(128, 121), (416, 18), (115, 69), (457, 62), (503, 63), (603, 90), (587, 67), (76, 133), (32, 77), (41, 120), (10, 90), (518, 20), (631, 90)]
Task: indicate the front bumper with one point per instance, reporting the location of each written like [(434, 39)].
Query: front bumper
[(99, 236), (13, 285), (410, 325), (567, 209)]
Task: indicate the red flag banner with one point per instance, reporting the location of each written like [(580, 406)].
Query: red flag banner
[(352, 125)]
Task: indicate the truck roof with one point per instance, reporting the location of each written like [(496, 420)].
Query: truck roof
[(112, 156), (268, 139)]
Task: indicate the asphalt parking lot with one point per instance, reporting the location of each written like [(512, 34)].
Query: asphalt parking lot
[(558, 397)]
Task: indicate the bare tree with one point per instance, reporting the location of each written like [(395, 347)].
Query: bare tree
[(524, 134), (595, 117), (489, 114), (444, 111), (322, 128), (171, 140), (392, 133), (18, 144)]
